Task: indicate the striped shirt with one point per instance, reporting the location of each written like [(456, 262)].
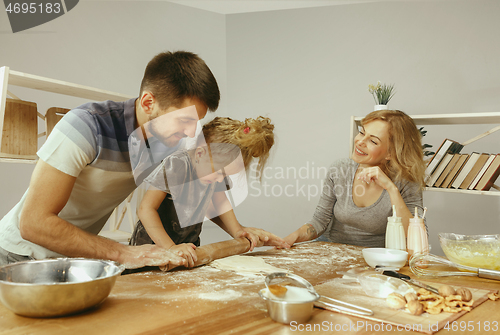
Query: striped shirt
[(91, 143)]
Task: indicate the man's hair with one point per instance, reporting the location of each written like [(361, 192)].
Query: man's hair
[(175, 76)]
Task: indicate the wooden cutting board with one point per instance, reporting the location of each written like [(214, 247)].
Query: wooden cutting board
[(20, 128), (351, 292)]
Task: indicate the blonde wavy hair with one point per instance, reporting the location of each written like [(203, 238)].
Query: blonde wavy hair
[(253, 137), (405, 146)]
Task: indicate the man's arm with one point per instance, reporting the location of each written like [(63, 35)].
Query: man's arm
[(48, 193), (148, 214)]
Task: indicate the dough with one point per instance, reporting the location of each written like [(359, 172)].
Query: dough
[(245, 264)]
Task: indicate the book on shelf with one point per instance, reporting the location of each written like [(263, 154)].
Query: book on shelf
[(465, 170), (448, 146), (439, 169), (481, 172), (474, 171), (490, 176), (447, 170), (455, 171)]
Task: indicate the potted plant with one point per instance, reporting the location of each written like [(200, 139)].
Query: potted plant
[(382, 93)]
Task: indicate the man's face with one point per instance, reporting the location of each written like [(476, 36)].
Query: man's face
[(172, 124)]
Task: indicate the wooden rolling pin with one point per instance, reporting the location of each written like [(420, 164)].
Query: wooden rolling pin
[(210, 252)]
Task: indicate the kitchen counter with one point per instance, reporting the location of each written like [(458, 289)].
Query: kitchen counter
[(205, 300)]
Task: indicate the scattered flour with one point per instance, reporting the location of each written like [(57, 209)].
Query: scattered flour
[(222, 295), (314, 262), (245, 264), (313, 259)]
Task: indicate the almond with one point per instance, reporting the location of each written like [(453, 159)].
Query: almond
[(446, 290), (395, 301), (465, 294)]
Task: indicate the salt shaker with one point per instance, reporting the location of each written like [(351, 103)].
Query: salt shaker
[(417, 236), (394, 233)]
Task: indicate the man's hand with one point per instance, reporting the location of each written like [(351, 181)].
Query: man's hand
[(133, 257), (187, 251), (259, 237)]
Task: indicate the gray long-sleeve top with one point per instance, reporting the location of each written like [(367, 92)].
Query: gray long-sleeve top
[(342, 221)]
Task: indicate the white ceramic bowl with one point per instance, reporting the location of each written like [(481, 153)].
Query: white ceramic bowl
[(385, 257)]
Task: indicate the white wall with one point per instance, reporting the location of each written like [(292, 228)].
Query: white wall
[(307, 69), (104, 45)]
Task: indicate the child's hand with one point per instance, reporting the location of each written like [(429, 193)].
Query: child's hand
[(259, 237), (187, 251), (276, 241), (292, 238)]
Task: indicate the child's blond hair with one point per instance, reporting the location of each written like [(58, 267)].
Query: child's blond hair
[(254, 137)]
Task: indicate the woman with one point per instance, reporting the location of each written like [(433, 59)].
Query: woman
[(386, 168)]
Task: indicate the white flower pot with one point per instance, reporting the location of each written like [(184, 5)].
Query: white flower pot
[(380, 107)]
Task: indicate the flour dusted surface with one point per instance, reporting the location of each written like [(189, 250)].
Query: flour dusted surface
[(245, 264), (315, 262), (314, 259)]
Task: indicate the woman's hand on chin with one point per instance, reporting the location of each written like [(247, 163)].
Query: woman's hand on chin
[(376, 175)]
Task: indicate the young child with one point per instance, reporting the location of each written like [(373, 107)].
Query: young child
[(196, 180)]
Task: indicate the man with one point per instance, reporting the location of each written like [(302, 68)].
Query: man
[(85, 169)]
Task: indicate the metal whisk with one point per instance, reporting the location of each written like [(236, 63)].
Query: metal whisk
[(428, 265)]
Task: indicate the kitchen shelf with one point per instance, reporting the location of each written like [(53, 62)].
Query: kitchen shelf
[(445, 119), (15, 78)]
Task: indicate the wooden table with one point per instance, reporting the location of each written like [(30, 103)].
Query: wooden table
[(210, 301)]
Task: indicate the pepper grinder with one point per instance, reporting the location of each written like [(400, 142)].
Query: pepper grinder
[(395, 234)]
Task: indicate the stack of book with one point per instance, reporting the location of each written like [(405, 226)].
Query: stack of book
[(448, 168)]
